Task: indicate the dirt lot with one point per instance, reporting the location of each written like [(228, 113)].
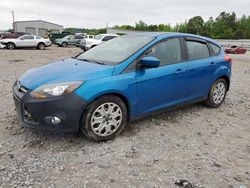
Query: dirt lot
[(208, 147)]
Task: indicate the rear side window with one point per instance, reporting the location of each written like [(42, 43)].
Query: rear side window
[(168, 52), (197, 50), (215, 48), (79, 37)]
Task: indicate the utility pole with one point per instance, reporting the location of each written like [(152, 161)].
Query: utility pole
[(13, 20)]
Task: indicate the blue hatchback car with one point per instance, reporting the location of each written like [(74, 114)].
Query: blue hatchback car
[(123, 79)]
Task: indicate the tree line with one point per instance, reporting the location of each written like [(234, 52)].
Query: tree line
[(225, 26)]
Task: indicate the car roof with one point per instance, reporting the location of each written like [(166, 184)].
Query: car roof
[(173, 34)]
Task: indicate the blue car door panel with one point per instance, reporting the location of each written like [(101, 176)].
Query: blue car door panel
[(160, 87), (164, 86), (200, 69)]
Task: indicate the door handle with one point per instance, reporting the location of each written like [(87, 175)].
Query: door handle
[(212, 64), (179, 71)]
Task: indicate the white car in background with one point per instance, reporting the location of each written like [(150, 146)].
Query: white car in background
[(88, 43), (1, 46), (26, 41)]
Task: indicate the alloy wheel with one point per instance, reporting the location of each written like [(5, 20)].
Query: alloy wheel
[(219, 92), (106, 119)]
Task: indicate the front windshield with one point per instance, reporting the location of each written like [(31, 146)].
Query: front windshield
[(99, 37), (116, 50), (66, 37), (21, 36)]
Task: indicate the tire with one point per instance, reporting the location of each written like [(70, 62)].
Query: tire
[(41, 46), (217, 93), (108, 124), (10, 46), (64, 44)]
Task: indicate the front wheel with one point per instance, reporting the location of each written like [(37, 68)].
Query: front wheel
[(10, 46), (104, 118), (64, 44), (217, 93), (41, 46)]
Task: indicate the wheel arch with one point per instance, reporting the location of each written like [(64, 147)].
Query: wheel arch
[(226, 78), (41, 43), (11, 43), (114, 93)]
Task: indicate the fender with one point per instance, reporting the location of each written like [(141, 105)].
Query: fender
[(222, 71)]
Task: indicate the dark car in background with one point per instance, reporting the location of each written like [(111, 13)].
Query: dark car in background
[(11, 35), (54, 36), (236, 50)]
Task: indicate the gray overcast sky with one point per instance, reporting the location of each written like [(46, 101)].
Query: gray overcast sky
[(96, 13)]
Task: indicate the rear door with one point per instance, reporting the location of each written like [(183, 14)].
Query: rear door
[(71, 40), (201, 65)]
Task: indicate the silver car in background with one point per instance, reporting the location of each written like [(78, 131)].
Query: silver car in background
[(26, 41)]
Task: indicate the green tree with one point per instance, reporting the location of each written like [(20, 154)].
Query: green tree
[(225, 26), (196, 26), (141, 26)]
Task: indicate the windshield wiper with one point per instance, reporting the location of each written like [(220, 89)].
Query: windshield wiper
[(93, 61)]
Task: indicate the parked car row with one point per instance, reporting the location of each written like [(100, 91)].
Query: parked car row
[(84, 41)]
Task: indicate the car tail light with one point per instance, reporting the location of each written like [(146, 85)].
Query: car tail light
[(228, 59)]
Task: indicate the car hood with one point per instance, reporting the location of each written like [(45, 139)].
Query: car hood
[(90, 40), (64, 71)]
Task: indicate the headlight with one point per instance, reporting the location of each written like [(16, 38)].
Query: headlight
[(54, 90)]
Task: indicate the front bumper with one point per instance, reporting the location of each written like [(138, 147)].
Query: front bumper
[(38, 113), (48, 44), (85, 48)]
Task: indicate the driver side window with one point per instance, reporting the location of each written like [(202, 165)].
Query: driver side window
[(168, 52), (27, 38)]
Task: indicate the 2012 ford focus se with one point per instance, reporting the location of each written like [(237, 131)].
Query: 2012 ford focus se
[(126, 78)]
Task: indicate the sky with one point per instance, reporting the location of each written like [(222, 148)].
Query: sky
[(99, 13)]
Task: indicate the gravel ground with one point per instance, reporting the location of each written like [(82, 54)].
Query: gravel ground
[(208, 147)]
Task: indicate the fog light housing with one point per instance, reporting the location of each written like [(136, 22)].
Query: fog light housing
[(55, 120)]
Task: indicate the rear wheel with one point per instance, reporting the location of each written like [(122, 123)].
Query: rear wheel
[(64, 44), (217, 93), (104, 118), (10, 46), (41, 46)]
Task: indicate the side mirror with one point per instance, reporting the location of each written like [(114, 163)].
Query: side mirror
[(149, 62)]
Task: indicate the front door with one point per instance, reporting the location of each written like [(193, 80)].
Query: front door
[(26, 41), (165, 86)]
